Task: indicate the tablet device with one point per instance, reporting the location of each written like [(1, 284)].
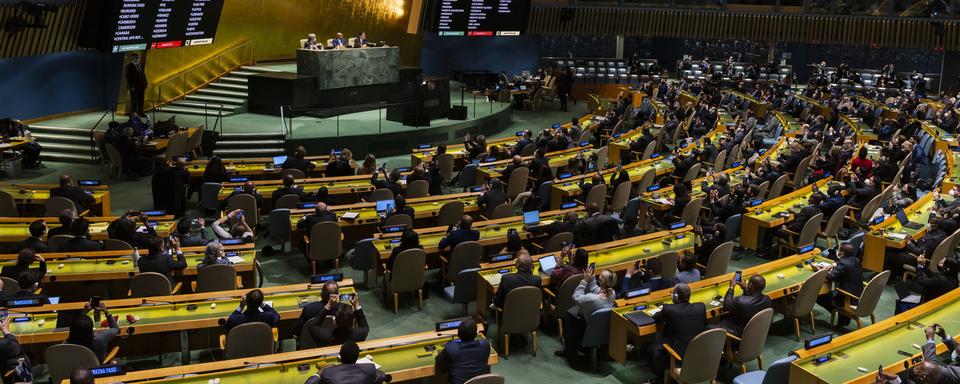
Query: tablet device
[(547, 263), (385, 205), (279, 160)]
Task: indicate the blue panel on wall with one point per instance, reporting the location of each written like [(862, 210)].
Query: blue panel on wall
[(512, 54), (38, 86)]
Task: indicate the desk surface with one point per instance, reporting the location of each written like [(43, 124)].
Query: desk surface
[(491, 232), (404, 357), (877, 344), (367, 212), (200, 311), (614, 255)]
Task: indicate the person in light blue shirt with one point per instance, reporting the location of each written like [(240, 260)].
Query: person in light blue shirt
[(687, 271)]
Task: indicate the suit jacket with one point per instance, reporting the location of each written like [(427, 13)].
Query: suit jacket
[(847, 275), (82, 244), (513, 281), (61, 230), (36, 244), (802, 217), (934, 284), (75, 194), (681, 322), (136, 77), (597, 229), (949, 374), (458, 236), (264, 314), (742, 308), (308, 221), (286, 191), (325, 336), (464, 360), (338, 42), (163, 264), (928, 243), (13, 271), (490, 200), (349, 374), (303, 165), (314, 309)]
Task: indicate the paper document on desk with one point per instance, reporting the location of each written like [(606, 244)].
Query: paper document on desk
[(368, 360), (912, 299), (898, 236), (235, 259)]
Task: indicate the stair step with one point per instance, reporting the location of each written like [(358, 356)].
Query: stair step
[(229, 86), (209, 106), (216, 99), (257, 69), (188, 110), (55, 137), (244, 74), (252, 136), (234, 79), (222, 92), (65, 157), (61, 147), (35, 128), (258, 143)]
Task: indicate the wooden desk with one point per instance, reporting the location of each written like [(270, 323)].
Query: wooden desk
[(570, 187), (160, 143), (158, 317), (261, 167), (877, 344), (706, 292), (424, 208), (662, 199), (403, 357), (36, 195), (425, 152), (48, 256), (557, 160), (774, 213), (889, 232), (493, 233), (615, 255), (15, 229), (109, 277)]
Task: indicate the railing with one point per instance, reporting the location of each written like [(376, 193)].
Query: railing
[(183, 83)]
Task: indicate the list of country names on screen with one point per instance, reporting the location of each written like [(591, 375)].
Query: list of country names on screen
[(481, 17)]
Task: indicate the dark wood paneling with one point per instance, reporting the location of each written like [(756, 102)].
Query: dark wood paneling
[(62, 28)]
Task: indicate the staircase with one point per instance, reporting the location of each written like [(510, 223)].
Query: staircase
[(246, 145), (70, 145), (229, 92)]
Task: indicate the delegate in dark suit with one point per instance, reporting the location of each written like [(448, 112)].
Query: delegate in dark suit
[(742, 308), (76, 194), (136, 83), (681, 322), (320, 215), (949, 374), (34, 243), (457, 236), (846, 275), (522, 278), (349, 374), (464, 360)]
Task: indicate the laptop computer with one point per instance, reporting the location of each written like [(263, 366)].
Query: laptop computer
[(904, 221), (385, 205), (279, 160), (547, 264), (638, 317), (531, 218)]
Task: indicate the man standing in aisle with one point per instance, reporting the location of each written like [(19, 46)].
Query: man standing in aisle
[(136, 83)]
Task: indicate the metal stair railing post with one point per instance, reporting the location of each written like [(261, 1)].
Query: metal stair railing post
[(93, 143)]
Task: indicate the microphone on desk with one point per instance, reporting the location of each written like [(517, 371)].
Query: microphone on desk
[(148, 301)]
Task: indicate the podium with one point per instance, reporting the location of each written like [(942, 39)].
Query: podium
[(352, 67)]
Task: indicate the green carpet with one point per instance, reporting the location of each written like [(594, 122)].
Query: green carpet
[(522, 366)]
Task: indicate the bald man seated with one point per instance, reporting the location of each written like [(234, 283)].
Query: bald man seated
[(321, 213), (460, 233), (524, 277), (930, 371)]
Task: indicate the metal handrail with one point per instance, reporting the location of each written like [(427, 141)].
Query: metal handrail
[(221, 69)]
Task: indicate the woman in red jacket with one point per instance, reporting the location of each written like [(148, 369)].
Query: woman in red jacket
[(863, 163)]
